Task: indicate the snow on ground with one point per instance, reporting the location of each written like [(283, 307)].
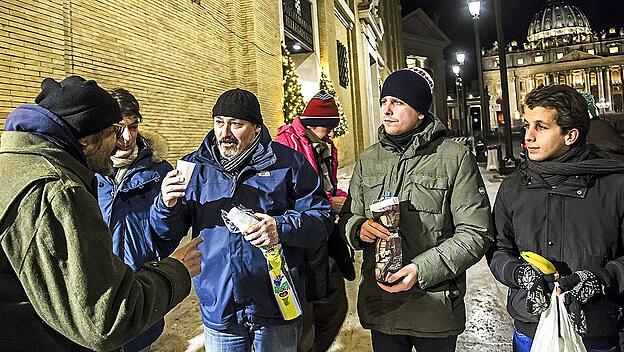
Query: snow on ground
[(488, 327)]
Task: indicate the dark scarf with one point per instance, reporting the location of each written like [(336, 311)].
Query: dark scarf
[(583, 161), (234, 164), (34, 119), (400, 143)]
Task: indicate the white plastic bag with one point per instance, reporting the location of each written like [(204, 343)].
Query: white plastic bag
[(555, 332)]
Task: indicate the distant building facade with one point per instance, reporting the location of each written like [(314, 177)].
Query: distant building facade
[(424, 45), (561, 48), (356, 44)]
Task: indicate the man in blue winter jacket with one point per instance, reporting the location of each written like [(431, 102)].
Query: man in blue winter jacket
[(126, 195), (238, 165)]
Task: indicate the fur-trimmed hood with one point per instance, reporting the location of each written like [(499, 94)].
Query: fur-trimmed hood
[(158, 144)]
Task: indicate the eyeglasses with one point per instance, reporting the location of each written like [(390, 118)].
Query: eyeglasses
[(119, 128)]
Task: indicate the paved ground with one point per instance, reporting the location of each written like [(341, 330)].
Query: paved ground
[(488, 327)]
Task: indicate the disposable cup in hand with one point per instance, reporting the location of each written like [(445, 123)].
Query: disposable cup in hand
[(186, 168)]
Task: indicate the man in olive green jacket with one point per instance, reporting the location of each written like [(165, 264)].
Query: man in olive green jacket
[(444, 221), (62, 289)]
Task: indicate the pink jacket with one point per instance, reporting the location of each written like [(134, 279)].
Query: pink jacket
[(294, 136)]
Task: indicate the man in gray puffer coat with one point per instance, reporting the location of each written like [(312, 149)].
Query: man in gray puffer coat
[(444, 221)]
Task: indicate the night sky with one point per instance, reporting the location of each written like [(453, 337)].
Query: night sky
[(455, 21)]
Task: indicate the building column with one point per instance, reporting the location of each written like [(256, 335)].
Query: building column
[(517, 91), (608, 85), (600, 82), (513, 95), (587, 80), (569, 78)]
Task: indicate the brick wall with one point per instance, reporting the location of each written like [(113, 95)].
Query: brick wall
[(31, 46), (175, 56)]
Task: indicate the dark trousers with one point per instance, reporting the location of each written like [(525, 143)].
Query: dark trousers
[(322, 321), (404, 343)]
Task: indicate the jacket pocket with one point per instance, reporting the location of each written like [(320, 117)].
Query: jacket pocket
[(427, 193), (267, 190), (373, 186), (427, 312), (603, 315)]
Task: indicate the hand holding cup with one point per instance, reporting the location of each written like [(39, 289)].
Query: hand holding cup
[(175, 182)]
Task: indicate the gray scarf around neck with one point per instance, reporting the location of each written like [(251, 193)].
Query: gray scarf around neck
[(236, 163)]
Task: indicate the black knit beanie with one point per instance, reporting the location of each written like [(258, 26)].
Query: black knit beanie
[(412, 85), (86, 107), (239, 104)]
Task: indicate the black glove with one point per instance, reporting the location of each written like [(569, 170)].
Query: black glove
[(532, 280), (579, 288), (339, 249)]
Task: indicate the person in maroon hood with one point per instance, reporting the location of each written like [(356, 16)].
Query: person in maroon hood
[(310, 134)]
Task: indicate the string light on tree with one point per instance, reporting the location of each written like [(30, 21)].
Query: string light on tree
[(327, 86), (293, 98)]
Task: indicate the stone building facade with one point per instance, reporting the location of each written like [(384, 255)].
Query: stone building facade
[(561, 48), (356, 43), (424, 44)]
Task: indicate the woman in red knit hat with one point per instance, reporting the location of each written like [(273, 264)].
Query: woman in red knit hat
[(310, 134)]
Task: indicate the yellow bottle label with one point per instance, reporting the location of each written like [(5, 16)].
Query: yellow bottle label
[(282, 288)]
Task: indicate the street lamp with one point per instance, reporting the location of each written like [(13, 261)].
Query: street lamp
[(461, 57), (474, 7), (456, 70), (603, 105), (458, 93), (502, 59)]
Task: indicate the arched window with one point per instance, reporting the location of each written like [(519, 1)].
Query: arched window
[(616, 76)]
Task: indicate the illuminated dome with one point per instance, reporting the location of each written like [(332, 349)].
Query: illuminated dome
[(558, 24)]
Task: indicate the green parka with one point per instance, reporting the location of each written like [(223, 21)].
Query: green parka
[(61, 284), (444, 228)]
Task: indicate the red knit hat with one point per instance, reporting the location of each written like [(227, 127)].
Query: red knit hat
[(321, 111)]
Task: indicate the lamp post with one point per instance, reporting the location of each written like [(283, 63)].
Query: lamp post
[(456, 71), (509, 158), (603, 105), (474, 7), (464, 119)]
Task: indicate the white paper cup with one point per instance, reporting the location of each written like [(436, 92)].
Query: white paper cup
[(186, 168)]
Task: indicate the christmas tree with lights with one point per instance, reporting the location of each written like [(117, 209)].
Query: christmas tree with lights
[(293, 99), (327, 86)]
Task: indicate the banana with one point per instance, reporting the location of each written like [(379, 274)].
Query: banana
[(541, 263)]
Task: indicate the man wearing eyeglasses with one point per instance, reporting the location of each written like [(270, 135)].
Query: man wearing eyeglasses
[(62, 287), (126, 194)]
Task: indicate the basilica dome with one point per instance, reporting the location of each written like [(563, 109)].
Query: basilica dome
[(557, 24)]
